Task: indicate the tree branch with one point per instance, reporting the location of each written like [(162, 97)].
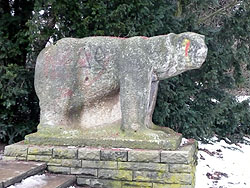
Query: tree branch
[(218, 11)]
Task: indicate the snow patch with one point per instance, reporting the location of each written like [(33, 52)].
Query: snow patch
[(221, 165), (184, 141), (31, 182), (41, 12), (242, 98)]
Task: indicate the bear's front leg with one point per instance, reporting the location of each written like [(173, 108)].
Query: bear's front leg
[(135, 87), (152, 100)]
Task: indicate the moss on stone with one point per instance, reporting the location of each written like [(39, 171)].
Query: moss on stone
[(109, 136), (136, 184), (43, 158), (180, 178)]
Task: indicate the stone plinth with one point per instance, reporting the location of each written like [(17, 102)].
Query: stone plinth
[(115, 167), (109, 137)]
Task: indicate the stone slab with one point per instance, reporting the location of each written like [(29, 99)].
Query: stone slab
[(14, 171), (59, 169), (109, 137), (58, 181), (184, 155), (17, 150), (114, 155), (127, 184), (144, 155), (89, 182), (65, 153), (167, 178), (89, 153), (100, 164), (84, 172), (159, 185), (40, 150), (42, 158), (148, 166), (53, 181), (115, 174)]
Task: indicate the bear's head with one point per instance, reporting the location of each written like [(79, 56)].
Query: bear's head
[(182, 52)]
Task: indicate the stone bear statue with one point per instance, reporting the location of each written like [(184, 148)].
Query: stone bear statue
[(97, 81)]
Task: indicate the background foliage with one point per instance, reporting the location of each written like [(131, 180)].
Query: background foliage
[(194, 103)]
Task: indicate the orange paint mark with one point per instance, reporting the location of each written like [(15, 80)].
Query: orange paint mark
[(187, 47)]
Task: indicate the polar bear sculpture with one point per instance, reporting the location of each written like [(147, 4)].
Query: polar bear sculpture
[(97, 81)]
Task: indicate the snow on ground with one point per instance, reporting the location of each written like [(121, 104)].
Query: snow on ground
[(221, 165), (31, 182)]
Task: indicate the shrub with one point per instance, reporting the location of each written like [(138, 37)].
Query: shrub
[(19, 114)]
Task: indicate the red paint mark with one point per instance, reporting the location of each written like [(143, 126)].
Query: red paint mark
[(67, 93), (187, 47), (48, 60), (88, 56), (82, 62), (98, 76), (144, 37)]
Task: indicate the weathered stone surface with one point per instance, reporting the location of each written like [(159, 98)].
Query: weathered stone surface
[(7, 158), (180, 168), (16, 150), (159, 185), (43, 158), (144, 155), (115, 174), (65, 153), (169, 178), (175, 157), (143, 166), (84, 171), (99, 164), (143, 174), (150, 176), (99, 183), (89, 153), (127, 184), (59, 169), (109, 137), (71, 163), (79, 82), (185, 155), (40, 150), (114, 155), (12, 172), (55, 162)]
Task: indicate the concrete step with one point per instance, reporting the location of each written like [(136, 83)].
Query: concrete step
[(46, 181), (12, 172)]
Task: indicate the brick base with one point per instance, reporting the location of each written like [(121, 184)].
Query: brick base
[(116, 167)]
